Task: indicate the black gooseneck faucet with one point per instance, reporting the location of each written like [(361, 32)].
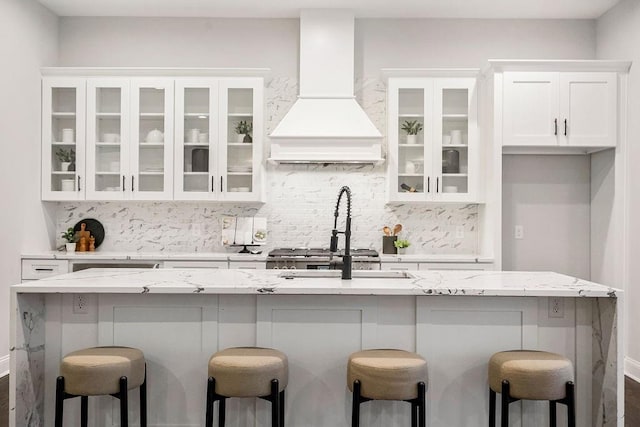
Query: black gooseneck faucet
[(346, 258)]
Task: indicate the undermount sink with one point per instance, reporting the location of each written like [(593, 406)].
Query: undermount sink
[(356, 274)]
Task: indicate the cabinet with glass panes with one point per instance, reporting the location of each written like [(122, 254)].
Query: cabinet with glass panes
[(432, 139), (126, 144), (219, 139), (63, 139)]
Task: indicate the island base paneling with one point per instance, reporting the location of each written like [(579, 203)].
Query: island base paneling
[(178, 333)]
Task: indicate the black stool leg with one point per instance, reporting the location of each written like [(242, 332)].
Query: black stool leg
[(492, 408), (84, 411), (59, 401), (143, 400), (552, 413), (414, 413), (571, 404), (355, 410), (282, 408), (275, 403), (222, 409), (211, 384), (504, 418), (422, 419), (124, 407)]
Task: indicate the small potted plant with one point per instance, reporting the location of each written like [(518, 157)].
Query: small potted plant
[(70, 237), (412, 128), (67, 159), (244, 130), (401, 246)]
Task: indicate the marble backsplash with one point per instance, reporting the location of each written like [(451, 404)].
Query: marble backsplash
[(300, 203)]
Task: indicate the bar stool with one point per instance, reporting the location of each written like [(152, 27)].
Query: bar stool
[(388, 374), (101, 371), (531, 375), (247, 372)]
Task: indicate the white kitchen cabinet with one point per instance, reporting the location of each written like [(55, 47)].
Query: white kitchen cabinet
[(213, 161), (35, 269), (454, 266), (128, 145), (398, 266), (440, 163), (151, 159), (571, 109), (248, 265), (196, 264), (108, 139), (63, 138)]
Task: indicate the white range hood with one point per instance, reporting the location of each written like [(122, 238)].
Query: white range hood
[(326, 124)]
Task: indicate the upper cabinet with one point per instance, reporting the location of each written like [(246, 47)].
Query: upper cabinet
[(219, 139), (560, 108), (433, 139), (63, 139), (165, 138)]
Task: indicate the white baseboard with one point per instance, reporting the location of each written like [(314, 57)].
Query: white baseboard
[(632, 368), (4, 365)]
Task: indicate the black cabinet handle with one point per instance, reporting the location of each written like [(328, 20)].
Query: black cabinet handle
[(428, 184), (555, 126), (565, 127), (44, 269), (132, 178), (122, 182), (78, 182), (221, 186), (212, 189), (437, 184)]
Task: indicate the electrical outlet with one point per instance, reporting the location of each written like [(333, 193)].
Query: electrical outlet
[(518, 232), (556, 307), (460, 232), (80, 304)]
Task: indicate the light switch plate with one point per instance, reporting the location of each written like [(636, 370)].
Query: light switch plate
[(518, 232)]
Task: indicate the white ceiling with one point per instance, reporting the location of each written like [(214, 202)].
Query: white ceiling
[(526, 9)]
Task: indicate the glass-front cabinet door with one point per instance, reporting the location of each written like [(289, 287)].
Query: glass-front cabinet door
[(455, 139), (196, 140), (107, 139), (151, 167), (432, 139), (63, 138), (241, 124)]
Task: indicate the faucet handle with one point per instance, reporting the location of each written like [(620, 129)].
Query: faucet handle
[(333, 247)]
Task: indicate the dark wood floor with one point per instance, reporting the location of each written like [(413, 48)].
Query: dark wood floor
[(631, 402), (4, 401)]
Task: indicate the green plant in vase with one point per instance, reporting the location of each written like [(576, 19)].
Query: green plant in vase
[(244, 129), (412, 128), (67, 159), (70, 237), (401, 245)]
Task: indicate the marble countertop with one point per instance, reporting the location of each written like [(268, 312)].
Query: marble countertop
[(232, 256), (452, 258), (206, 281)]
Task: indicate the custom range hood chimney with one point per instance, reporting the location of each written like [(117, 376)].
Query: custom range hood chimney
[(326, 124)]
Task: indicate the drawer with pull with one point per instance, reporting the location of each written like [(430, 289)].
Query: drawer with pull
[(34, 269)]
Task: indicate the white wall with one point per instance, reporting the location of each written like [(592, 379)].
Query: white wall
[(29, 41), (419, 43), (167, 42), (618, 37), (273, 43), (550, 197)]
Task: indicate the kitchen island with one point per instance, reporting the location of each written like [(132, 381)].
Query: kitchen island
[(179, 317)]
